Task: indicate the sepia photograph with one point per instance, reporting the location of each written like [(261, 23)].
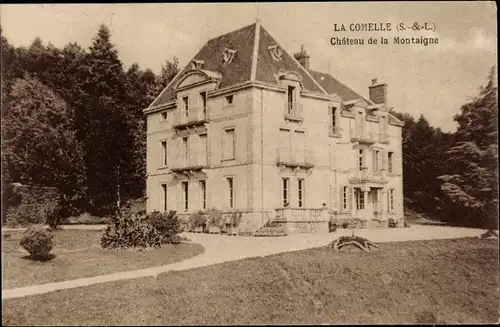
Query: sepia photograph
[(249, 163)]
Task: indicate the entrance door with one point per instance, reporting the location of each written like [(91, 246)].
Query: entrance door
[(359, 201)]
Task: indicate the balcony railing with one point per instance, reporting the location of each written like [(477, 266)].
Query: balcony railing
[(295, 157), (293, 111), (192, 116), (365, 137), (383, 137), (191, 161), (367, 176), (302, 214)]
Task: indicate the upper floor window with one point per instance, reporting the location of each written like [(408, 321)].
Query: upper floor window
[(229, 144), (229, 100), (164, 153), (361, 163), (390, 158), (203, 97), (291, 99), (333, 118), (376, 158), (164, 116), (185, 149), (185, 102)]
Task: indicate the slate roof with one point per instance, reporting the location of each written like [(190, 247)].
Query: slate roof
[(239, 70), (332, 85)]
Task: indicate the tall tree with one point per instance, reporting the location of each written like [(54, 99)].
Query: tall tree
[(39, 143), (167, 73), (472, 180)]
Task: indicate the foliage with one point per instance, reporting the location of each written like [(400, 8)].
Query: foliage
[(358, 241), (167, 224), (197, 219), (392, 223), (215, 217), (37, 240), (235, 218), (471, 184), (138, 230), (31, 205), (72, 119)]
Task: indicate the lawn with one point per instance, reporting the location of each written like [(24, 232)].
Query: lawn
[(78, 255), (442, 281)]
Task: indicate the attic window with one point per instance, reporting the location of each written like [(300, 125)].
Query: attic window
[(197, 64), (275, 52), (227, 56)]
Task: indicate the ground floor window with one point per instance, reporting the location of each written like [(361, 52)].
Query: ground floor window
[(185, 194), (164, 188), (391, 199), (203, 193), (301, 192), (286, 189), (230, 192), (360, 199), (345, 197)]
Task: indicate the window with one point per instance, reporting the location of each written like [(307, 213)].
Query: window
[(229, 144), (301, 195), (185, 150), (291, 90), (390, 157), (229, 100), (360, 199), (164, 188), (376, 156), (203, 193), (185, 101), (334, 118), (286, 191), (391, 199), (164, 116), (345, 196), (204, 149), (230, 192), (185, 198), (203, 96), (360, 160), (164, 153)]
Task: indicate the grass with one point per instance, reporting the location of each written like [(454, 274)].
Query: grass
[(441, 281), (78, 255)]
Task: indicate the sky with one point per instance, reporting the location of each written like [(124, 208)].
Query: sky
[(433, 80)]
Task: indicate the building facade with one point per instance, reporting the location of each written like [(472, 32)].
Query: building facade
[(246, 126)]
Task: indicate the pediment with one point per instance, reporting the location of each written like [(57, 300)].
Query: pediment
[(290, 76), (197, 76)]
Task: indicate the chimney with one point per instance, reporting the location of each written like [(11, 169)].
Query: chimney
[(378, 92), (302, 57)]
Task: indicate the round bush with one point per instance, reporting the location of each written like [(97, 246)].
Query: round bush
[(37, 240)]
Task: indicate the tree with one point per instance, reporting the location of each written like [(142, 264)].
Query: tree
[(39, 143), (471, 181), (168, 72)]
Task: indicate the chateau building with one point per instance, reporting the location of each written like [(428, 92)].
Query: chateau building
[(246, 126)]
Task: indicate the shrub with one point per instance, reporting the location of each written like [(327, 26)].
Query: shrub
[(37, 240), (197, 219), (215, 218), (392, 223), (332, 227), (167, 224), (235, 219), (29, 205), (138, 230), (131, 231)]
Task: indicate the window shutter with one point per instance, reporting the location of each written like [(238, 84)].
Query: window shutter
[(364, 158)]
